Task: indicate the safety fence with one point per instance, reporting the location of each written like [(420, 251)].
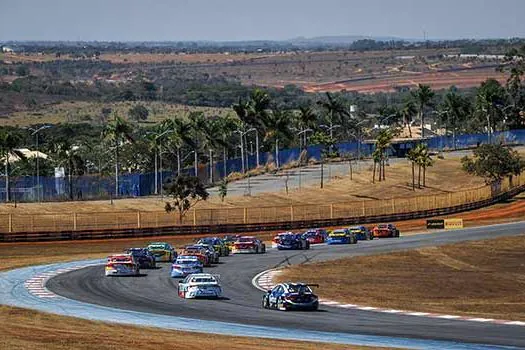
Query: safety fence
[(31, 188), (18, 226)]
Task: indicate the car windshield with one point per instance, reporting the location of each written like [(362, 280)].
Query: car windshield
[(311, 234), (204, 279), (246, 239), (339, 231), (355, 229), (382, 226), (185, 261), (299, 288), (206, 241), (157, 246), (287, 237)]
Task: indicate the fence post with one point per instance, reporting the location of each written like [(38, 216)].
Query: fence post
[(291, 212), (74, 221), (393, 206), (32, 223), (331, 210), (138, 218), (10, 219), (194, 217), (245, 215), (449, 200), (364, 209)]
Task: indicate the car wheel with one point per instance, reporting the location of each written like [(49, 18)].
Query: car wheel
[(280, 305), (265, 303)]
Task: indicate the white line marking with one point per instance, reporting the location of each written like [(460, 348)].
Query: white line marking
[(451, 317), (418, 313)]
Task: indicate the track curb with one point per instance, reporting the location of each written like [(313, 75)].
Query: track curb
[(264, 281)]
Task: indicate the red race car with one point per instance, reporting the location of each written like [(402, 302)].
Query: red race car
[(316, 236), (385, 230)]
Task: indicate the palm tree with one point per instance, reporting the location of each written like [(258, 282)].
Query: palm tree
[(383, 141), (334, 108), (456, 108), (423, 96), (179, 136), (419, 154), (226, 126), (278, 128), (307, 119), (376, 156), (8, 143), (408, 112), (198, 125), (117, 131), (413, 158), (426, 162), (212, 140), (66, 153), (490, 99)]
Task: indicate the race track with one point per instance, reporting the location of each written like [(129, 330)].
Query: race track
[(155, 293)]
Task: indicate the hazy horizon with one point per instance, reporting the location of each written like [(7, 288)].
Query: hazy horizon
[(242, 20)]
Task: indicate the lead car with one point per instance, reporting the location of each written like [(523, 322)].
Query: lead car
[(291, 296)]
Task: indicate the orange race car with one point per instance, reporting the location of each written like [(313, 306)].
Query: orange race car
[(385, 230)]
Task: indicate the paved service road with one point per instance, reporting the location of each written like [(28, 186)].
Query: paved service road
[(156, 293)]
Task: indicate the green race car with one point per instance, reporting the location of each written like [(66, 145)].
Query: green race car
[(217, 243)]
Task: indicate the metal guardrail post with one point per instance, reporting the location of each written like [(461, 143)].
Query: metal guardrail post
[(331, 210), (194, 217), (245, 215), (393, 206), (291, 212), (74, 221), (10, 223), (364, 209), (138, 219)]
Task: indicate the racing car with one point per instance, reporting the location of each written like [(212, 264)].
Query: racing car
[(185, 265), (163, 252), (291, 241), (143, 256), (277, 238), (385, 230), (229, 240), (200, 252), (200, 285), (121, 265), (217, 243), (291, 296), (248, 244), (361, 233), (213, 255), (316, 236), (341, 236)]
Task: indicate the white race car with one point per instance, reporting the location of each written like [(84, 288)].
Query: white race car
[(200, 285), (122, 265)]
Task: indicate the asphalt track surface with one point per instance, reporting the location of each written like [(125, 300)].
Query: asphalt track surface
[(155, 292)]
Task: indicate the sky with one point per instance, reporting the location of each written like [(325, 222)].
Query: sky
[(225, 20)]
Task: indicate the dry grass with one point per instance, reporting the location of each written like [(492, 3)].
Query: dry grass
[(88, 112), (340, 189), (25, 329), (483, 278)]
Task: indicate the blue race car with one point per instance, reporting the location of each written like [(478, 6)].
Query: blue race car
[(341, 236), (362, 233), (143, 256), (185, 265), (292, 241)]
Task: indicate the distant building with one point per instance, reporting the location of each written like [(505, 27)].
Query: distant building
[(25, 153)]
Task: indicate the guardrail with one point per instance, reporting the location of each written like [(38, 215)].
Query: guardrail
[(70, 226)]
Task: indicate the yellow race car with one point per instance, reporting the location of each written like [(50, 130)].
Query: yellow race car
[(162, 251)]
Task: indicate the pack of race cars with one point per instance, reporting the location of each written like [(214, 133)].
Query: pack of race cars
[(190, 261)]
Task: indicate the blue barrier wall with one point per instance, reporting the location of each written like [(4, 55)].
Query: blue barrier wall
[(24, 189)]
